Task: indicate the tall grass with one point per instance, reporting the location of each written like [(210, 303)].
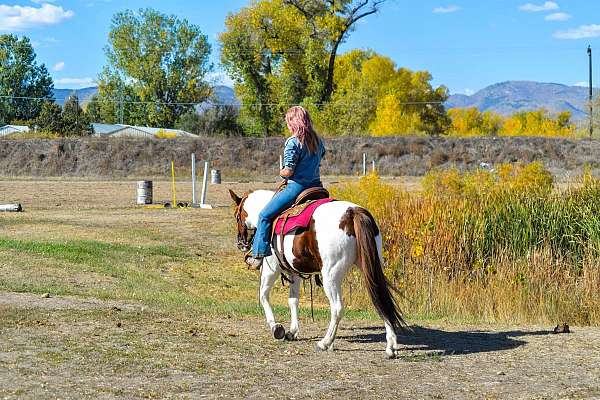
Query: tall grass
[(499, 247)]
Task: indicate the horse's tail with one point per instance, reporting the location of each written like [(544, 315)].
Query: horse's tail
[(369, 261)]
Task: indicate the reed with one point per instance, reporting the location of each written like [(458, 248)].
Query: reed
[(501, 246)]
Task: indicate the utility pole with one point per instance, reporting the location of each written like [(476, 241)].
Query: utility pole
[(121, 105), (589, 51)]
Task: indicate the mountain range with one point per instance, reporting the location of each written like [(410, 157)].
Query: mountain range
[(222, 95), (504, 98), (507, 98)]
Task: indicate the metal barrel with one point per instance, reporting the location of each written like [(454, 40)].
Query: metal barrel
[(215, 177), (144, 192)]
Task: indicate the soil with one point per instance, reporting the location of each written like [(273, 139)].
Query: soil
[(62, 347), (73, 348)]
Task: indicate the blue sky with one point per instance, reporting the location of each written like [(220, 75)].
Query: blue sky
[(466, 45)]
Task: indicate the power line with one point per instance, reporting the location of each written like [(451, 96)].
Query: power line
[(112, 100)]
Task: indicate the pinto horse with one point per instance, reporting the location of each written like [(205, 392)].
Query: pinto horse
[(340, 235)]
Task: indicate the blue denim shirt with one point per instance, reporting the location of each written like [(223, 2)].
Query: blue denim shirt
[(306, 166)]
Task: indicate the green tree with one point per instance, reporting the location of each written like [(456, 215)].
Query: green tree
[(74, 120), (49, 120), (283, 52), (156, 69), (216, 121), (21, 76), (330, 23)]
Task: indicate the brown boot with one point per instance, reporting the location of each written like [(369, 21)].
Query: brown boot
[(253, 262)]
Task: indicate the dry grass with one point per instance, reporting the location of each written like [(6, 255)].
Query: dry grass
[(502, 247)]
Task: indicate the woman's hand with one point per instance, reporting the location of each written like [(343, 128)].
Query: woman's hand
[(286, 173)]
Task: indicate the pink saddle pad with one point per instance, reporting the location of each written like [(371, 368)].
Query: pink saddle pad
[(301, 220)]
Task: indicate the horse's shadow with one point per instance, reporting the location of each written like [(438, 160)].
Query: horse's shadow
[(442, 342)]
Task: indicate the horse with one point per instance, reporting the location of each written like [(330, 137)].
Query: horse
[(341, 234)]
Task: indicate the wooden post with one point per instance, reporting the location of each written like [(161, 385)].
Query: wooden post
[(193, 178), (373, 162)]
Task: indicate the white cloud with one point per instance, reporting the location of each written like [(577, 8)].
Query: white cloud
[(560, 16), (446, 10), (75, 83), (582, 84), (547, 6), (18, 18), (58, 66), (581, 32), (466, 92)]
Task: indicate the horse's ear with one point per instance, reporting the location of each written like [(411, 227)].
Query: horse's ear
[(236, 199)]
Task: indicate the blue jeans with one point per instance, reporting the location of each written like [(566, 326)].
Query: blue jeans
[(280, 202)]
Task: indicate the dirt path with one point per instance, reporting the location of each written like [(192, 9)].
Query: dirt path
[(72, 348)]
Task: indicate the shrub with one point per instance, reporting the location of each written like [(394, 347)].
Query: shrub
[(503, 246)]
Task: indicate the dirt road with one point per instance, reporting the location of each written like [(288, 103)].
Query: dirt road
[(70, 348)]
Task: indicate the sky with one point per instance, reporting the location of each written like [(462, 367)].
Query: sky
[(465, 44)]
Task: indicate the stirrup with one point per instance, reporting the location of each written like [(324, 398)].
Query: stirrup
[(253, 262)]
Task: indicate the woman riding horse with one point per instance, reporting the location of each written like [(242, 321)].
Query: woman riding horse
[(301, 168)]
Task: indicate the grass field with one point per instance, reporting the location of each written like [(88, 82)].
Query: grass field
[(100, 298)]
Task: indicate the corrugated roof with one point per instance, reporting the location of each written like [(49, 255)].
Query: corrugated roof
[(19, 128), (109, 129)]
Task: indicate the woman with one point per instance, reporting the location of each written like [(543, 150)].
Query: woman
[(301, 161)]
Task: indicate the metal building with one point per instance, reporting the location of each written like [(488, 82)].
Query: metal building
[(13, 129), (118, 130)]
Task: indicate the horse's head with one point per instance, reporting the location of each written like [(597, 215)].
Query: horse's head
[(245, 232)]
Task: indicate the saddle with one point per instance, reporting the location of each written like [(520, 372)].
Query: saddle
[(298, 216), (300, 213)]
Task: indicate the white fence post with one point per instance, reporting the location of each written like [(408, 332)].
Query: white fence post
[(364, 163), (204, 188)]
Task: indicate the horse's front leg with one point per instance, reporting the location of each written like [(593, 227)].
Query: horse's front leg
[(293, 302), (269, 274)]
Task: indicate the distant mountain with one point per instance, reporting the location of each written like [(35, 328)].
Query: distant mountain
[(225, 95), (222, 95), (507, 98), (85, 95)]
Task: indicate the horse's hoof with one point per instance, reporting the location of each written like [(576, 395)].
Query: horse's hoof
[(291, 337), (278, 331), (319, 349), (390, 354)]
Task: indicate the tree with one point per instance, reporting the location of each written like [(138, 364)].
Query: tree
[(216, 121), (74, 120), (156, 62), (472, 122), (21, 78), (330, 23), (283, 52), (49, 120), (372, 96)]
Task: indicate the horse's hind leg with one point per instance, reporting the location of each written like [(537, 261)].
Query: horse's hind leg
[(332, 284), (293, 301), (269, 273)]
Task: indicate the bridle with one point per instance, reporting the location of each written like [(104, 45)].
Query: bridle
[(245, 236)]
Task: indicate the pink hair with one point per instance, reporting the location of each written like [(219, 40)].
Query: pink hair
[(300, 124)]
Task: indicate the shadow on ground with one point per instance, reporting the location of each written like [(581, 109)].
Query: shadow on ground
[(443, 342)]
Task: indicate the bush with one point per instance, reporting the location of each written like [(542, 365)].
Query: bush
[(502, 246)]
